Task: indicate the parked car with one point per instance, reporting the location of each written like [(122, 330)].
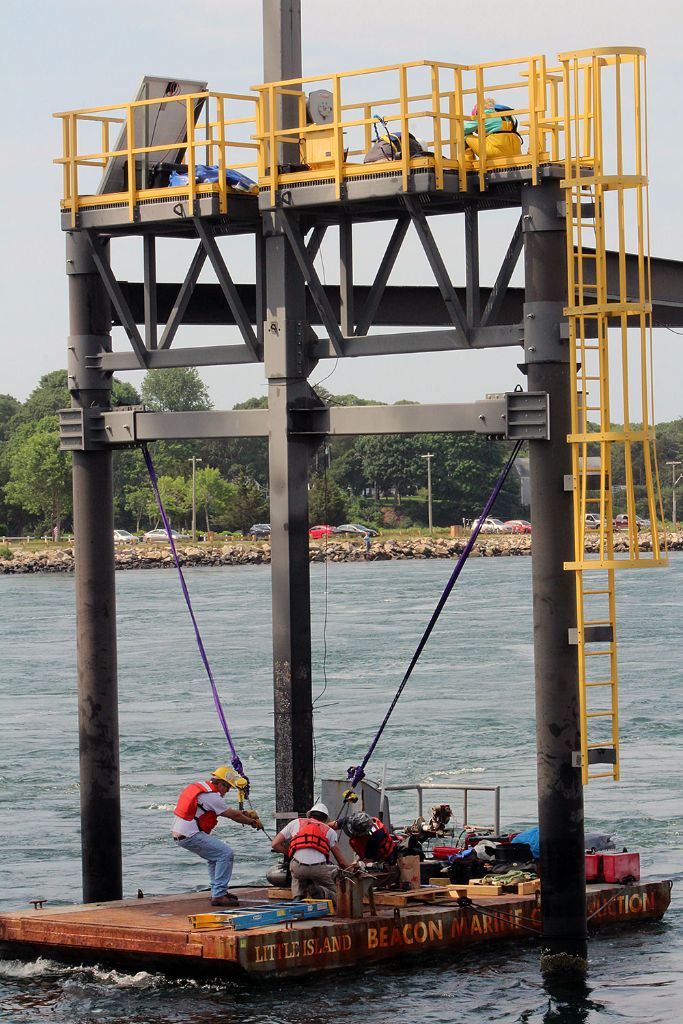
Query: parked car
[(259, 531), (356, 529), (490, 525), (124, 537), (161, 535), (517, 526), (316, 532), (621, 522), (592, 521)]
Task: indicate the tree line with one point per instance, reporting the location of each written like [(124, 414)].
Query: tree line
[(379, 480)]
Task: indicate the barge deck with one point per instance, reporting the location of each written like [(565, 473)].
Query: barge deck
[(156, 931)]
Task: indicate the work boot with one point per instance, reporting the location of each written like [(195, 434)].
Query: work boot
[(227, 900)]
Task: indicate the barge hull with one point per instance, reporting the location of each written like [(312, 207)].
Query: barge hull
[(156, 932)]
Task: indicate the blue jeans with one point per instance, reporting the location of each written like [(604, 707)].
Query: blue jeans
[(218, 855)]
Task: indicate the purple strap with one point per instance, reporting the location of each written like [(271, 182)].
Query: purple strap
[(235, 761), (357, 773)]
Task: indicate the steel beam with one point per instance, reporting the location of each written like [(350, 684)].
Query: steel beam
[(443, 280), (310, 275), (346, 310), (473, 305), (560, 793), (98, 730), (500, 288), (182, 299), (99, 255), (227, 286), (374, 297), (150, 285), (409, 305), (315, 240), (288, 362)]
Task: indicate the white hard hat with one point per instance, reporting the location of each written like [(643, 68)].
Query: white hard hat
[(319, 808)]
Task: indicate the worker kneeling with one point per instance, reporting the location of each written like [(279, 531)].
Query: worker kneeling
[(309, 842), (372, 843), (500, 129), (199, 807)]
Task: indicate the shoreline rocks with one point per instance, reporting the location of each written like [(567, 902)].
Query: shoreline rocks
[(148, 556)]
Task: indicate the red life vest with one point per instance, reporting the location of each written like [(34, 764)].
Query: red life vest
[(188, 805), (312, 835), (376, 845)]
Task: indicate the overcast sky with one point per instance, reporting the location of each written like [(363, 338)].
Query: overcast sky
[(71, 54)]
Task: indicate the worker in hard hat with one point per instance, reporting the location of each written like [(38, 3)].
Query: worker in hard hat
[(500, 129), (199, 807), (374, 847), (309, 842)]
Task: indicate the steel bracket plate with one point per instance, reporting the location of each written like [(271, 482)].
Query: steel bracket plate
[(527, 416), (596, 755), (546, 333), (82, 430)]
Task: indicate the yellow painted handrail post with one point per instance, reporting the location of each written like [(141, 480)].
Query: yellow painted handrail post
[(130, 159), (405, 130), (436, 117), (222, 161), (337, 115), (533, 120), (459, 131), (273, 154), (191, 173), (481, 129)]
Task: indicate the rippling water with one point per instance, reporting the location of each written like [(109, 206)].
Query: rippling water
[(467, 715)]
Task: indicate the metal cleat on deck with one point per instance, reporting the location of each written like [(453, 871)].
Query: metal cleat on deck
[(279, 913)]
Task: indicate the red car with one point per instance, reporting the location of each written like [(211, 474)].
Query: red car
[(316, 532), (517, 526)]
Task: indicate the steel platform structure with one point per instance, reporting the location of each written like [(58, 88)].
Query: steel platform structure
[(288, 213)]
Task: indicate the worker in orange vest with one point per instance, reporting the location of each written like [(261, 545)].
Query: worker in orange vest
[(199, 807), (309, 842)]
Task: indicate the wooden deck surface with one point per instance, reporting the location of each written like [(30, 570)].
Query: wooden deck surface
[(156, 931)]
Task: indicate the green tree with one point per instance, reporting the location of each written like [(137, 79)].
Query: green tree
[(327, 503), (392, 462), (139, 501), (175, 497), (213, 493), (9, 407), (177, 389), (247, 506), (39, 474), (49, 396)]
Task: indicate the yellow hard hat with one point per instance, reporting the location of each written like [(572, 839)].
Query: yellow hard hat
[(229, 776)]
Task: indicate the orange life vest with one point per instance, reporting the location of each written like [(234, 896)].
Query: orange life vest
[(376, 845), (312, 835), (188, 805)]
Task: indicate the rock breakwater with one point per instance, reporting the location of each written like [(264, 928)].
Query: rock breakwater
[(53, 559)]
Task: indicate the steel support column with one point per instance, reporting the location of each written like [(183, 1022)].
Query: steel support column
[(560, 794), (286, 339), (90, 325)]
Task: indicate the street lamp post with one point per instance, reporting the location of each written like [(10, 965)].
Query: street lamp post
[(194, 460), (674, 480), (429, 456)]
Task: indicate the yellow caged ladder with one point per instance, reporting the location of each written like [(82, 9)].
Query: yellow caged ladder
[(607, 206)]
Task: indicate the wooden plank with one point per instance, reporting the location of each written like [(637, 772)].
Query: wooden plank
[(474, 891), (427, 893), (529, 888), (279, 894)]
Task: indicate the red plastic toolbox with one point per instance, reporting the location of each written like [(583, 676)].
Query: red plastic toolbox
[(592, 867), (444, 852), (618, 867)]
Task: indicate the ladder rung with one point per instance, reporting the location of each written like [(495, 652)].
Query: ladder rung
[(600, 714), (587, 592), (598, 622), (602, 775), (600, 746), (607, 682), (597, 654)]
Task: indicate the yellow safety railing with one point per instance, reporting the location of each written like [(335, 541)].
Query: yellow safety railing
[(217, 129), (607, 208), (431, 100)]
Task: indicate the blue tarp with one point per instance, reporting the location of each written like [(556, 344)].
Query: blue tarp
[(208, 174), (531, 837)]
